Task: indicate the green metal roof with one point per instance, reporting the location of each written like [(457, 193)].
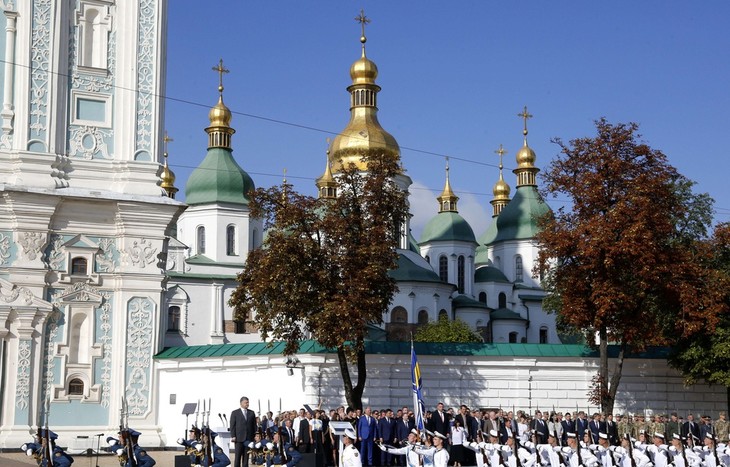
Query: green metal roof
[(447, 227), (196, 276), (505, 314), (489, 274), (531, 298), (404, 348), (518, 220), (486, 239), (218, 179), (412, 243), (202, 259), (408, 271), (462, 301)]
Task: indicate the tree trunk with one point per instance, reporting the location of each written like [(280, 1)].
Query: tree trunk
[(353, 394), (602, 382), (615, 379)]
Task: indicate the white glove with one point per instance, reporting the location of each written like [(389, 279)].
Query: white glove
[(181, 441), (120, 452), (29, 452), (250, 445), (199, 447), (269, 446), (112, 442), (258, 445)]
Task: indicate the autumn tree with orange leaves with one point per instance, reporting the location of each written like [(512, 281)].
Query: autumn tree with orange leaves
[(617, 264), (322, 270)]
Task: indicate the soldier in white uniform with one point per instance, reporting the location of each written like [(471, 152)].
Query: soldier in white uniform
[(577, 455), (412, 457), (350, 457), (441, 456)]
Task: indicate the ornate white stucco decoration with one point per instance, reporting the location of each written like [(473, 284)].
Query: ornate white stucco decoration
[(40, 60), (106, 342), (10, 293), (7, 5), (59, 170), (4, 249), (50, 357), (31, 243), (146, 59), (22, 391), (87, 141), (139, 353), (105, 260), (55, 253), (140, 254)]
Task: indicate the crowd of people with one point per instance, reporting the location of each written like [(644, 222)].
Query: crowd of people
[(488, 437)]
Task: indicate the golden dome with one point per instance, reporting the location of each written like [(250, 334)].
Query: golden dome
[(501, 190), (525, 157), (167, 179), (364, 70), (220, 115)]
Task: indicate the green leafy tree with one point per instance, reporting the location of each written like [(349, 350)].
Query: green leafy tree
[(322, 270), (705, 354), (617, 262), (444, 330)]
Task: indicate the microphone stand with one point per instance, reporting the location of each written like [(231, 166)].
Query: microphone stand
[(98, 447)]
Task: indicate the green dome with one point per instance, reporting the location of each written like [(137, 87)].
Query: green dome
[(489, 274), (218, 179), (518, 220), (447, 227), (505, 314), (486, 238), (408, 271)]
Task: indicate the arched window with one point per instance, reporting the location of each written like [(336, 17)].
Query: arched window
[(231, 240), (544, 335), (173, 319), (240, 327), (201, 240), (513, 337), (79, 267), (518, 268), (443, 268), (76, 387), (423, 317), (483, 297), (79, 339), (460, 274), (443, 315), (399, 315), (502, 300)]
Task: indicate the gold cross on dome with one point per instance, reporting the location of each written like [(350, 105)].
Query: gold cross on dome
[(501, 151), (525, 116), (363, 20), (220, 69), (166, 140)]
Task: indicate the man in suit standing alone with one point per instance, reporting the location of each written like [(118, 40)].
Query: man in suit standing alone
[(243, 429), (366, 431)]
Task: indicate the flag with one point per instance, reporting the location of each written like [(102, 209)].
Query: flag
[(418, 407)]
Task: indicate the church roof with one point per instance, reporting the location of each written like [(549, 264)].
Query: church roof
[(489, 274), (408, 271), (463, 301), (505, 314), (447, 226), (218, 179), (518, 220)]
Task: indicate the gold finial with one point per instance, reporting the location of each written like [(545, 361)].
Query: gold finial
[(447, 199), (284, 181), (363, 20), (501, 151), (166, 139), (525, 116), (220, 69), (447, 167), (328, 147)]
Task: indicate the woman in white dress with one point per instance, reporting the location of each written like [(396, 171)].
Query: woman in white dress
[(458, 437)]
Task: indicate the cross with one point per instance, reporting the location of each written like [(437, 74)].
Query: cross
[(501, 151), (447, 166), (285, 175), (524, 116), (363, 20), (220, 69), (166, 140)]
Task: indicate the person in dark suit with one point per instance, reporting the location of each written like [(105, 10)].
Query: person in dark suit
[(691, 429), (568, 427), (287, 433), (366, 433), (440, 420), (597, 427), (540, 428), (612, 430), (243, 430), (581, 425), (386, 433)]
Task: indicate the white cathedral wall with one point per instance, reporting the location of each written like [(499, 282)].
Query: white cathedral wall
[(528, 383), (417, 296)]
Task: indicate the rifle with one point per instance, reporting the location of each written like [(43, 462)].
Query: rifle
[(125, 435), (47, 452), (207, 438), (714, 447), (516, 444)]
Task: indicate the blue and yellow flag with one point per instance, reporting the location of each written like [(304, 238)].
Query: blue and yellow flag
[(418, 407)]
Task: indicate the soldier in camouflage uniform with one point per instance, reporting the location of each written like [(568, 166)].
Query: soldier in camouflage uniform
[(658, 426), (722, 428), (672, 426), (623, 425)]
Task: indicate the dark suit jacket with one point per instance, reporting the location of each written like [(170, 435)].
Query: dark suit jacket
[(435, 423), (402, 429), (541, 430), (612, 432), (581, 425), (386, 430), (596, 427), (243, 429)]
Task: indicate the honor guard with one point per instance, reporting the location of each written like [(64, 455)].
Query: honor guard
[(257, 451), (45, 452), (350, 457), (412, 457)]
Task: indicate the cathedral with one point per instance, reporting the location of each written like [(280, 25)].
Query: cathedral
[(112, 289)]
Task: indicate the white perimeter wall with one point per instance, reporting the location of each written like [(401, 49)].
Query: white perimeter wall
[(523, 382)]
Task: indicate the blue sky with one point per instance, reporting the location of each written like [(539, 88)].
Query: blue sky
[(454, 75)]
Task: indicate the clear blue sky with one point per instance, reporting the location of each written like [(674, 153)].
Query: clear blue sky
[(454, 75)]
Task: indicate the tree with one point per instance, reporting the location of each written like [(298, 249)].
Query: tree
[(323, 268), (445, 330), (705, 354), (616, 264)]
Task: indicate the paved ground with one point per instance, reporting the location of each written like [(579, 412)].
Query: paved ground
[(163, 458)]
